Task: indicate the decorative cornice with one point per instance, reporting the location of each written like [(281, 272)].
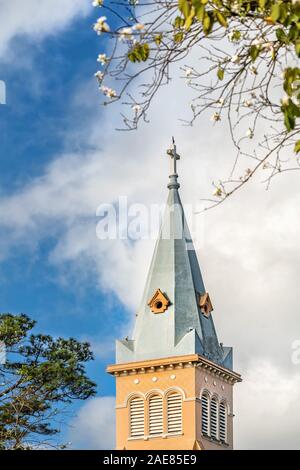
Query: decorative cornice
[(177, 362)]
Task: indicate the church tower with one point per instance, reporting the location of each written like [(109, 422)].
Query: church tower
[(174, 380)]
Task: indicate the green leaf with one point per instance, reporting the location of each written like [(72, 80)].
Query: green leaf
[(275, 12), (289, 120), (291, 77), (220, 73), (254, 52), (158, 39), (145, 52), (297, 147), (294, 109), (296, 9), (178, 37), (178, 22), (139, 53), (221, 18), (196, 4), (185, 7), (262, 3), (207, 23), (281, 36), (189, 21), (236, 35), (284, 14), (293, 33), (200, 11), (297, 47)]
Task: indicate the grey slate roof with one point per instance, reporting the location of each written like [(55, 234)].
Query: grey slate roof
[(182, 329)]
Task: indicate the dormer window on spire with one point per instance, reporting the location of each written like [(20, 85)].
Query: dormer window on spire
[(205, 304), (159, 302)]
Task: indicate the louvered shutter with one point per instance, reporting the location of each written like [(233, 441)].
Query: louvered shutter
[(155, 415), (213, 418), (222, 419), (204, 402), (137, 418), (174, 413)]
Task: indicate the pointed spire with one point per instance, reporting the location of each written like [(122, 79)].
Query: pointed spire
[(173, 174), (174, 317)]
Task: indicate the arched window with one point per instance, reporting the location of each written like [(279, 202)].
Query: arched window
[(223, 422), (205, 413), (174, 413), (137, 417), (214, 418), (155, 415)]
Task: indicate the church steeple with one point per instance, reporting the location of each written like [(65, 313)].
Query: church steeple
[(185, 326), (174, 379)]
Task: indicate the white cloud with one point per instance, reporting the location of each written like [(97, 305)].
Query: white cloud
[(262, 250), (267, 409), (2, 92), (36, 18), (94, 426), (249, 250)]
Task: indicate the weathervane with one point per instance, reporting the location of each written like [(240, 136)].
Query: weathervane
[(174, 156)]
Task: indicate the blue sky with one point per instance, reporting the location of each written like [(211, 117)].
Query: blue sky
[(33, 127), (39, 98), (61, 157)]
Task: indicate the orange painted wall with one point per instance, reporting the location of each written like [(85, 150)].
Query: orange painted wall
[(191, 381)]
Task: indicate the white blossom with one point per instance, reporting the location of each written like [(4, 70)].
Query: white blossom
[(101, 26), (235, 7), (250, 133), (235, 59), (136, 108), (258, 42), (217, 192), (97, 3), (138, 27), (282, 74), (248, 103), (216, 117), (285, 100), (109, 92), (188, 72), (221, 101), (234, 36), (125, 34), (99, 75), (102, 58), (268, 46)]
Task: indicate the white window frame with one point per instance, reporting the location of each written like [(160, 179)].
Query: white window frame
[(155, 395)]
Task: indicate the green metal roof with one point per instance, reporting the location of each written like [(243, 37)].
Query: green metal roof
[(182, 328)]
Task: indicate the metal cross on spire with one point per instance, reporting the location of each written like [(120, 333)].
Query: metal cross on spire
[(174, 156)]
